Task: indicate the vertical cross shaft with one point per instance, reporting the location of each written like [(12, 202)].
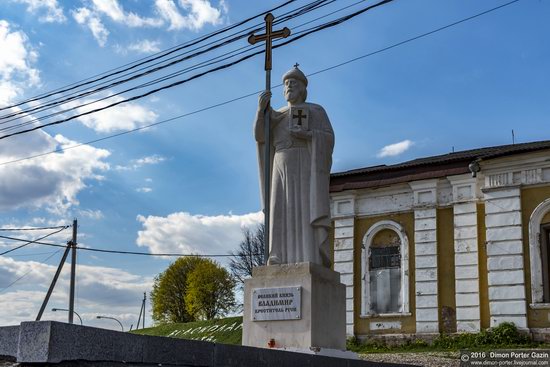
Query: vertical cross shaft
[(268, 37)]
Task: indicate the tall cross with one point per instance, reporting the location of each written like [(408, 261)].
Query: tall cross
[(268, 37)]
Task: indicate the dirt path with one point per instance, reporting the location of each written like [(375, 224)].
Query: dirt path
[(427, 359)]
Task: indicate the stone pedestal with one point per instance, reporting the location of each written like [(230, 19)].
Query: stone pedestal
[(322, 322)]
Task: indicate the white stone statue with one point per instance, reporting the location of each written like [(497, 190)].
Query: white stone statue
[(302, 141)]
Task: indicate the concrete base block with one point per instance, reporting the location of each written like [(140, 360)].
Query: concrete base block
[(9, 337), (53, 342), (323, 308), (49, 343)]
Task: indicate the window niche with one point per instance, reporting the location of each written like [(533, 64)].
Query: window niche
[(539, 253), (384, 277)]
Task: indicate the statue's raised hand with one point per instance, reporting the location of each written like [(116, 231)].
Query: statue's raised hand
[(263, 100)]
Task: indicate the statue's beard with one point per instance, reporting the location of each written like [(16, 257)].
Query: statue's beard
[(293, 96)]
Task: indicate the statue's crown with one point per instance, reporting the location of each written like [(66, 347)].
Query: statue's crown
[(297, 74)]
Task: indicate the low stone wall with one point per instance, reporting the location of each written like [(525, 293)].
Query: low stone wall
[(9, 338), (55, 343)]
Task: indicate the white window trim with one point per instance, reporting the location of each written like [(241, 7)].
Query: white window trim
[(537, 290), (404, 251)]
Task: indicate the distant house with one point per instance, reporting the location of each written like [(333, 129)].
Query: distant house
[(452, 243)]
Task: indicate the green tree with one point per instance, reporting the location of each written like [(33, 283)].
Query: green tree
[(170, 290), (209, 291)]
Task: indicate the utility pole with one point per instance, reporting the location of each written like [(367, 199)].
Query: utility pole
[(54, 280), (144, 299), (73, 271), (142, 312)]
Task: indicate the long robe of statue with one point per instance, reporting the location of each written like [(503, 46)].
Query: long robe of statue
[(302, 141)]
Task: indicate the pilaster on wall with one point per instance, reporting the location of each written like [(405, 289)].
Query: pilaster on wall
[(425, 238), (466, 254), (505, 256), (343, 216)]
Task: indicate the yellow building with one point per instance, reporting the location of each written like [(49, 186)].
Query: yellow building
[(452, 243)]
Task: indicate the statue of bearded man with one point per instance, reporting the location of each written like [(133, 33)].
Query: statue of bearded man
[(302, 141)]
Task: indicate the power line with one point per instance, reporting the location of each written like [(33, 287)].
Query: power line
[(33, 228), (29, 242), (142, 61), (415, 38), (35, 254), (180, 82), (59, 150), (38, 242), (289, 15), (240, 34), (28, 272), (217, 59), (64, 99)]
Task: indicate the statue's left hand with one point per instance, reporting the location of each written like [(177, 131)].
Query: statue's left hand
[(301, 134)]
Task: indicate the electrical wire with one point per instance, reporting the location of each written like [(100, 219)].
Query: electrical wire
[(240, 34), (300, 11), (90, 142), (34, 228), (27, 241), (221, 67), (212, 61), (144, 60), (35, 254), (28, 272), (38, 242)]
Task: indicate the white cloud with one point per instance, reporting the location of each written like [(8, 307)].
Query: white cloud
[(92, 214), (92, 17), (89, 18), (395, 149), (185, 233), (199, 13), (50, 10), (144, 47), (152, 159), (144, 189), (140, 162), (126, 116), (16, 59), (52, 181), (114, 10), (101, 290)]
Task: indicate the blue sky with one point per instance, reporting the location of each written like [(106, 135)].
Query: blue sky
[(191, 185)]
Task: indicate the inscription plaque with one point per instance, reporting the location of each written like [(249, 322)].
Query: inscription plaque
[(271, 304)]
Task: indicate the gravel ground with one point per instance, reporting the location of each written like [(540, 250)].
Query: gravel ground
[(427, 359)]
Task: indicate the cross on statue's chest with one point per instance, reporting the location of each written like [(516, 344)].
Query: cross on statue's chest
[(299, 116)]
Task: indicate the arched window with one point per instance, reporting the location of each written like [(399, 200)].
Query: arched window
[(385, 270), (539, 252)]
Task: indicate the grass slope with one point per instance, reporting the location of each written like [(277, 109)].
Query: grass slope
[(225, 331)]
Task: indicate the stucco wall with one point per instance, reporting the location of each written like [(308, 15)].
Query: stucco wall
[(483, 272), (446, 270)]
